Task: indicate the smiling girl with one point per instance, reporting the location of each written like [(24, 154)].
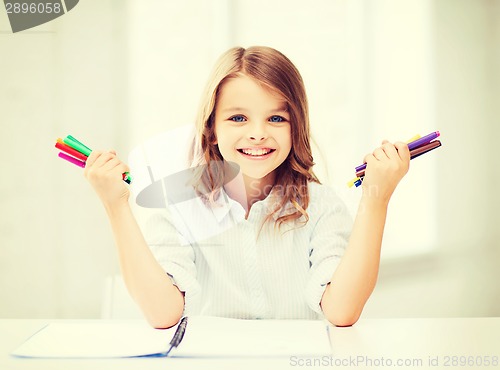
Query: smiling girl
[(291, 250)]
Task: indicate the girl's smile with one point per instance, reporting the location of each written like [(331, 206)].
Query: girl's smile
[(256, 153)]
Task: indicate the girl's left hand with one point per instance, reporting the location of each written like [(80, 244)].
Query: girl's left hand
[(385, 168)]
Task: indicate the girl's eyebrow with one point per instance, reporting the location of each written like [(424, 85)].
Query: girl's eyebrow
[(282, 108), (233, 109)]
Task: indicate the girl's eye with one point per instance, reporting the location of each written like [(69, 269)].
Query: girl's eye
[(276, 119), (237, 118)]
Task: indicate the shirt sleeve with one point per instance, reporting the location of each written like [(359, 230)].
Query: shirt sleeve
[(175, 255), (332, 225)]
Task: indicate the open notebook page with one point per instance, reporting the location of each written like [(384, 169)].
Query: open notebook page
[(204, 337)]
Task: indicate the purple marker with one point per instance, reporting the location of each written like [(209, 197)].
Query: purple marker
[(423, 140), (414, 144), (360, 167)]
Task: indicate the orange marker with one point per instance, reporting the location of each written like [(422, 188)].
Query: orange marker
[(66, 148)]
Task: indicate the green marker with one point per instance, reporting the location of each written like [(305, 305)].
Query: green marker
[(85, 150), (79, 142), (75, 144), (126, 177)]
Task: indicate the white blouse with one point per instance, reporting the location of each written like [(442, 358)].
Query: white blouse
[(226, 267)]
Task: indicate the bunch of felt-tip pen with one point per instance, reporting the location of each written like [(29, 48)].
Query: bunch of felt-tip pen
[(417, 147), (77, 153)]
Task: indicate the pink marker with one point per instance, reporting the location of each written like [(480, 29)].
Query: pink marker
[(73, 160)]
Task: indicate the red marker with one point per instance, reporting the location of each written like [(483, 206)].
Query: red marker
[(66, 148), (79, 154)]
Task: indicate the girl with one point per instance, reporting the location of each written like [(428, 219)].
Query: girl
[(284, 245)]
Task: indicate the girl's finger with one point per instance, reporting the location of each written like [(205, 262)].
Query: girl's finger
[(103, 159), (115, 165), (123, 168), (367, 157), (379, 154), (390, 150), (92, 158), (111, 164), (403, 151)]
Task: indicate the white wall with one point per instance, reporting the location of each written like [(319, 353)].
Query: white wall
[(64, 77), (111, 74), (461, 278), (171, 51), (115, 73)]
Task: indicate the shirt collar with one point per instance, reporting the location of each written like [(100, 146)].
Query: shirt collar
[(224, 205)]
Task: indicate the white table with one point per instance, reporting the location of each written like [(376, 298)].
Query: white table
[(369, 344)]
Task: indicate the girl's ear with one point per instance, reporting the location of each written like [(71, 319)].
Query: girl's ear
[(214, 135)]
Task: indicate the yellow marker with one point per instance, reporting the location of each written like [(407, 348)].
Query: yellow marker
[(416, 137), (351, 183)]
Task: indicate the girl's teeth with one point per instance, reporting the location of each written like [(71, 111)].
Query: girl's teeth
[(255, 152)]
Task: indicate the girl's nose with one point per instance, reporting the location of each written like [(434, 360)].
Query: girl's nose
[(257, 138), (257, 132)]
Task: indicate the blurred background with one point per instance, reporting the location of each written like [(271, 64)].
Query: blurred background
[(114, 74)]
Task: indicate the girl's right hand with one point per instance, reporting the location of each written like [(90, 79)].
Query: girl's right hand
[(385, 168), (104, 172)]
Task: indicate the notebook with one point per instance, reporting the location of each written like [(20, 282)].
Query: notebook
[(204, 337)]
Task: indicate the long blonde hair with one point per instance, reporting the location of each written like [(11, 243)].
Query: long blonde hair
[(276, 72)]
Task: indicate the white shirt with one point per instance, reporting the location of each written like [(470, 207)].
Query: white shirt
[(214, 256)]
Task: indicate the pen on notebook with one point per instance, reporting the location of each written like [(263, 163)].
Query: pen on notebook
[(179, 334), (78, 153)]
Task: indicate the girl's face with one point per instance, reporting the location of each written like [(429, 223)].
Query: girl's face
[(252, 127)]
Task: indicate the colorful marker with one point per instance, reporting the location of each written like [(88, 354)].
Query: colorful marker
[(417, 147), (75, 144), (79, 142), (412, 144), (66, 148), (424, 140), (79, 153), (425, 148), (413, 153), (72, 160)]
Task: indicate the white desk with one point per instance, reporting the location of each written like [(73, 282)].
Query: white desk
[(371, 343)]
